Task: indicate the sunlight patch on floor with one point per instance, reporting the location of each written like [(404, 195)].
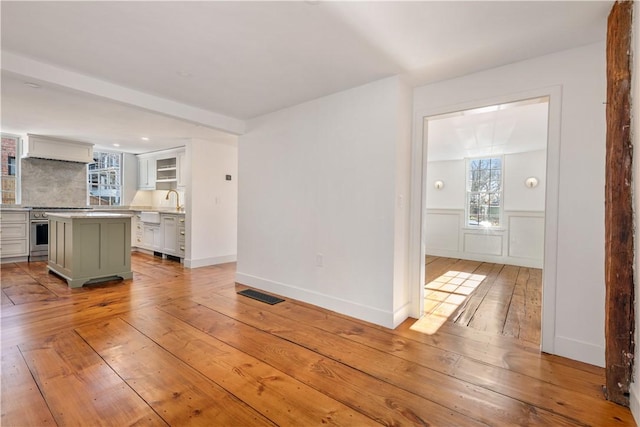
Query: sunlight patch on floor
[(443, 296)]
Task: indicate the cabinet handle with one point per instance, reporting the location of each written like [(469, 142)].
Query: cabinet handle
[(181, 219), (182, 233), (182, 248)]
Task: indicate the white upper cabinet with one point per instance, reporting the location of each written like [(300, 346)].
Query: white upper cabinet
[(161, 170), (146, 172), (166, 169), (182, 169)]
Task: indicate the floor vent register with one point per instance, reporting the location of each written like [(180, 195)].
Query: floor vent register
[(257, 295)]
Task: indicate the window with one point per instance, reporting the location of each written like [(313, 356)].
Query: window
[(10, 178), (11, 165), (105, 179), (484, 191)]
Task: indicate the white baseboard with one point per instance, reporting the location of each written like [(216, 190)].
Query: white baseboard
[(329, 302), (495, 259), (14, 259), (634, 401), (401, 314), (579, 350), (203, 262)]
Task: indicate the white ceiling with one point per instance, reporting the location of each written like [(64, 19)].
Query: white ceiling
[(516, 127), (107, 67)]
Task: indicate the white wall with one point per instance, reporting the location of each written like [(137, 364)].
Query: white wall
[(129, 178), (576, 306), (402, 286), (322, 209), (516, 197), (452, 194), (517, 168), (212, 201)]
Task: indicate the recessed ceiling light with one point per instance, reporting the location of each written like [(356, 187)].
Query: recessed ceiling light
[(32, 85), (144, 138), (116, 145)]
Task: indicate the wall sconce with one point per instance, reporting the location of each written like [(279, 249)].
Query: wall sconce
[(531, 182), (438, 185)]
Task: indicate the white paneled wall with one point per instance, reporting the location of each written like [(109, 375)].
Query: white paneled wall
[(526, 236), (520, 242), (520, 239)]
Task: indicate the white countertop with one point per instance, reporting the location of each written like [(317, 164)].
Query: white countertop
[(115, 209), (89, 215)]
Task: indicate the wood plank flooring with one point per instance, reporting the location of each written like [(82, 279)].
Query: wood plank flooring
[(179, 347), (494, 298)]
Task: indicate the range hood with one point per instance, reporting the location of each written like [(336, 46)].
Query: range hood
[(51, 148)]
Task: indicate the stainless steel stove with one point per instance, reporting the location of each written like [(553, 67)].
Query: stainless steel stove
[(39, 227)]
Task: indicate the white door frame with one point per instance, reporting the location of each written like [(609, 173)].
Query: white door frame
[(417, 247)]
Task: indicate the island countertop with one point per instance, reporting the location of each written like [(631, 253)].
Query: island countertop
[(89, 215)]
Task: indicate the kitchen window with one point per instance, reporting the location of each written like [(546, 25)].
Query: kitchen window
[(484, 192), (10, 178), (105, 179)]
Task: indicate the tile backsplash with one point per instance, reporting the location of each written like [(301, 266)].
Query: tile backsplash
[(53, 183)]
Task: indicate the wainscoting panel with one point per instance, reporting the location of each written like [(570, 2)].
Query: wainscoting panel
[(526, 236), (480, 243), (443, 230), (519, 242)]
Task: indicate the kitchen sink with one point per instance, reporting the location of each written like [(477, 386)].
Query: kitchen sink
[(151, 217)]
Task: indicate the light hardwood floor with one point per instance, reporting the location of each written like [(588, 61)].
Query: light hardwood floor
[(494, 298), (175, 346)]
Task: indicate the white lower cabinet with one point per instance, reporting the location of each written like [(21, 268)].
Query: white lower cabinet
[(136, 231), (166, 237), (181, 239), (14, 235), (169, 225), (151, 237)]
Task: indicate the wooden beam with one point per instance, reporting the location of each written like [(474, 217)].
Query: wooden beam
[(619, 329)]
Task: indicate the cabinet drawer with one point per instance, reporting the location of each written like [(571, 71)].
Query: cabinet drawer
[(13, 231), (13, 248), (14, 217)]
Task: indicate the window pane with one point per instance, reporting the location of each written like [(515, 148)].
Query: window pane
[(484, 178), (104, 177)]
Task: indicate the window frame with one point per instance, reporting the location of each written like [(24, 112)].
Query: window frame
[(469, 193), (105, 184)]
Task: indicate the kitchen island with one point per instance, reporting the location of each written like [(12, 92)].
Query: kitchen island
[(89, 246)]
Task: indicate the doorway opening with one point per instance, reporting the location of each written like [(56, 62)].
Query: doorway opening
[(483, 216)]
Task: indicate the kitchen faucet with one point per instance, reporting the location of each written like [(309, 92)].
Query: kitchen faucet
[(177, 198)]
